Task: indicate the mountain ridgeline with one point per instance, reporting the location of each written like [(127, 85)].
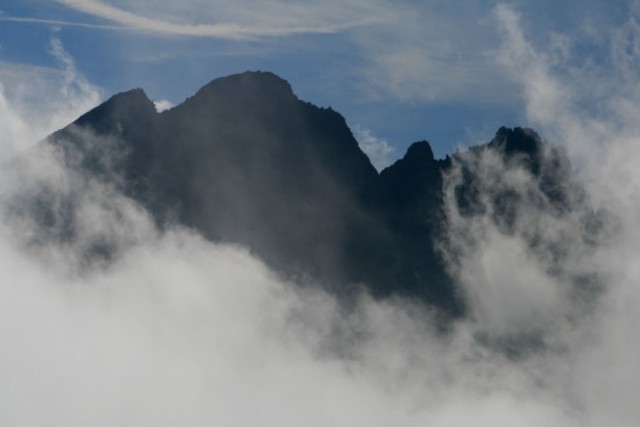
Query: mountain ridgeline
[(244, 161)]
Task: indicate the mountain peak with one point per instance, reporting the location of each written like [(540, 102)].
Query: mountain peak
[(123, 107), (421, 151), (517, 140), (258, 83), (133, 95), (418, 158), (130, 99)]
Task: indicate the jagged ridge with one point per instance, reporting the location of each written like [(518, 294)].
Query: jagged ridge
[(245, 161)]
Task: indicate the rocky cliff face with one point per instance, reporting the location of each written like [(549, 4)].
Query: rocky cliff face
[(244, 161)]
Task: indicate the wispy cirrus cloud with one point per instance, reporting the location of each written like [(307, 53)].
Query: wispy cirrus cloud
[(438, 52), (57, 22), (272, 19), (426, 52)]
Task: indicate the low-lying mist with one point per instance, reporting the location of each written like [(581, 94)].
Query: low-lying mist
[(171, 329)]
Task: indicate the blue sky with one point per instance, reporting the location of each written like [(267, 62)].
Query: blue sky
[(398, 71)]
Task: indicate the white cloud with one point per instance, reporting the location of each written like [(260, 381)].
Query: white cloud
[(217, 19), (434, 52), (163, 105), (379, 151), (40, 100), (177, 330), (598, 127), (588, 105), (57, 23), (439, 52)]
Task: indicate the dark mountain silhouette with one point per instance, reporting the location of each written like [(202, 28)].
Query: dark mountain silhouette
[(245, 161)]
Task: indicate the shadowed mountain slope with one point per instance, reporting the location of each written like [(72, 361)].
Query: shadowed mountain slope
[(244, 161)]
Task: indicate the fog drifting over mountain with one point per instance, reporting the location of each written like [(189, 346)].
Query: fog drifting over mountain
[(176, 330)]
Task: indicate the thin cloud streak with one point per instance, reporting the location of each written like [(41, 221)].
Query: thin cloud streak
[(59, 23), (219, 30)]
